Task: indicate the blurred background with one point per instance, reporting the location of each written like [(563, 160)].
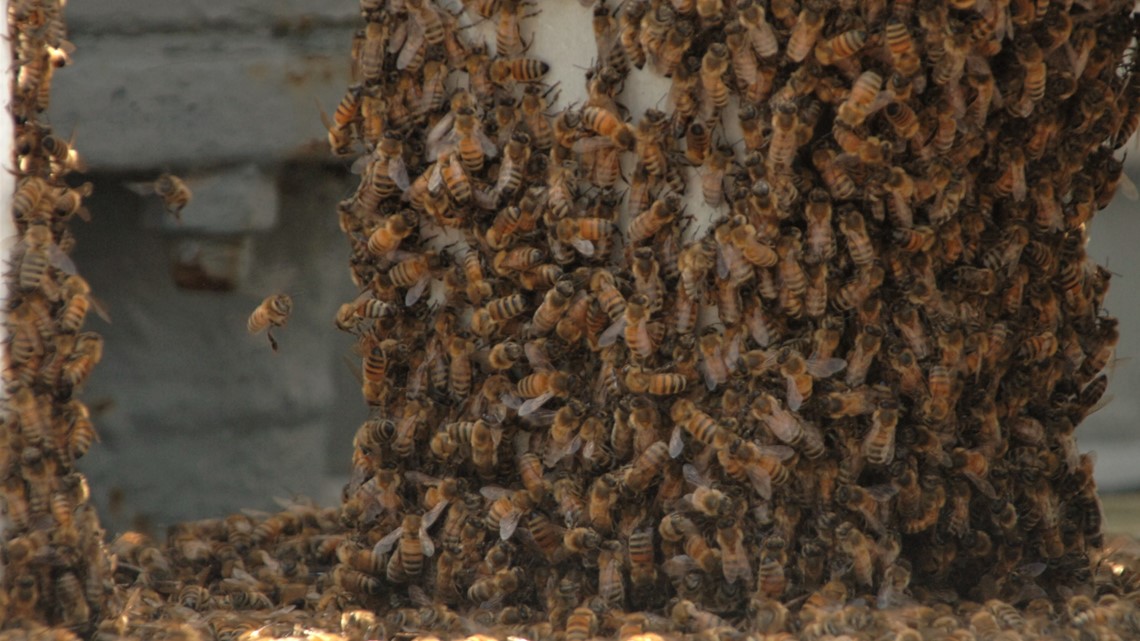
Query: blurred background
[(199, 419)]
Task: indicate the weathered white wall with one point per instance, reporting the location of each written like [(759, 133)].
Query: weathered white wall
[(204, 419)]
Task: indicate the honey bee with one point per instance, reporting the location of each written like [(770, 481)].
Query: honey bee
[(867, 346), (540, 387), (388, 235), (734, 556), (274, 311), (490, 591), (646, 467), (173, 191), (788, 427), (504, 71), (805, 32), (800, 374), (603, 496), (879, 445), (714, 65), (658, 383)]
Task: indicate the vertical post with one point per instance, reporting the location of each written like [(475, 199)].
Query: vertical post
[(7, 178)]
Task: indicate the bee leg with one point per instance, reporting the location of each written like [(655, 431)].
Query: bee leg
[(272, 341)]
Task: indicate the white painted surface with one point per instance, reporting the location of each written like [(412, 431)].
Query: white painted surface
[(7, 179)]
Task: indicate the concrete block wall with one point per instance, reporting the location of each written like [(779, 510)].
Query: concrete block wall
[(200, 419)]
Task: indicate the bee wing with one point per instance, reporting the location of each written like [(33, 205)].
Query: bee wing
[(694, 476), (678, 566), (584, 247), (422, 479), (398, 172), (433, 514), (385, 545), (504, 178), (435, 178), (707, 373), (412, 46), (795, 398), (426, 544), (555, 452), (417, 290), (824, 367), (510, 400), (676, 443), (1128, 188), (509, 523), (590, 144), (738, 571), (536, 356), (60, 260), (417, 596), (610, 335), (398, 37), (490, 149), (778, 452), (439, 130), (760, 480), (485, 199), (883, 492), (532, 405), (541, 418), (494, 492), (147, 188), (982, 484)]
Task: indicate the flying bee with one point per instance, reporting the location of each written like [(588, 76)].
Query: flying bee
[(173, 191), (274, 311), (788, 427)]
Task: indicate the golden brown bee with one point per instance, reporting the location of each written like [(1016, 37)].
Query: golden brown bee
[(658, 384), (761, 36), (879, 445), (606, 123), (504, 355), (804, 34), (714, 65), (387, 236), (646, 467), (788, 427), (840, 47)]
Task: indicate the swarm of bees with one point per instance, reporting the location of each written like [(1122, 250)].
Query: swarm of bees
[(55, 568), (843, 409), (861, 379)]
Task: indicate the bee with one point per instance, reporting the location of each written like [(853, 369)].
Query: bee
[(495, 588), (714, 65), (582, 624), (648, 223), (879, 445), (611, 587), (658, 384), (734, 556), (800, 373), (274, 311), (173, 191), (606, 123), (515, 157), (805, 32), (646, 467), (504, 71), (855, 294), (540, 387), (388, 235), (761, 35), (374, 368), (788, 427), (355, 581), (867, 345), (840, 47)]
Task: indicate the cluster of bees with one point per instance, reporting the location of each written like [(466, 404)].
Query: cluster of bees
[(842, 407), (862, 376), (54, 565)]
